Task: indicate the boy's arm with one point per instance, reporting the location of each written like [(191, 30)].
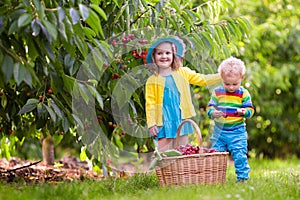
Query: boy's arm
[(247, 104)]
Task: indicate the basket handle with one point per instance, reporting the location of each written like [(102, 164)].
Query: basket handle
[(196, 127)]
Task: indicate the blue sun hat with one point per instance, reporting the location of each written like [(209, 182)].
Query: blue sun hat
[(179, 46)]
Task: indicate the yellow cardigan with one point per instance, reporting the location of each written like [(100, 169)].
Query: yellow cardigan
[(183, 77)]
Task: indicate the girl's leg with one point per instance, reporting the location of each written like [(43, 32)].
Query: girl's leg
[(165, 144), (181, 140)]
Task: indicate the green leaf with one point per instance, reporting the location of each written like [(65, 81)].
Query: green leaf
[(171, 153), (19, 72), (77, 121), (93, 81), (30, 105), (62, 31), (89, 32), (7, 67), (13, 27), (61, 14), (45, 31), (207, 39), (96, 95), (51, 29), (69, 83), (83, 92), (3, 101), (94, 22), (99, 11), (57, 139), (82, 45), (74, 15), (51, 112), (40, 8), (24, 19), (120, 13), (84, 11), (40, 109), (56, 109), (176, 5), (65, 124), (83, 155), (35, 28)]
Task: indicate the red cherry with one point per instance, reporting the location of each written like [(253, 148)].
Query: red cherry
[(123, 133), (124, 40), (114, 42), (115, 76), (41, 97), (50, 91), (10, 132), (211, 150), (131, 36)]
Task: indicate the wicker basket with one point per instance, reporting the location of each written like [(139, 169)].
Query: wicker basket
[(203, 168)]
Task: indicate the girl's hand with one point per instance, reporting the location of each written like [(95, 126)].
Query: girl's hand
[(153, 131), (218, 114)]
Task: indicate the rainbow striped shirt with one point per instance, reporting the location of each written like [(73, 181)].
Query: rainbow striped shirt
[(228, 103)]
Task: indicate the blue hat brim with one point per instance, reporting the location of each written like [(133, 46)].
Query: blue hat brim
[(177, 43)]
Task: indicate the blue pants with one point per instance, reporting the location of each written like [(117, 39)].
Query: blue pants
[(236, 143)]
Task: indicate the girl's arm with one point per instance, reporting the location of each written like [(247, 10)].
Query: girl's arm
[(150, 104), (201, 79)]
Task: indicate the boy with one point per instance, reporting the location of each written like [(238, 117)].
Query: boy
[(229, 105)]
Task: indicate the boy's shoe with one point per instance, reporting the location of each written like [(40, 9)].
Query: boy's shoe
[(241, 180)]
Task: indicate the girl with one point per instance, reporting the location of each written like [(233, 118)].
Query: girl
[(168, 96)]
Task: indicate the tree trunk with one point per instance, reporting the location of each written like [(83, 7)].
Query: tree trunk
[(48, 150)]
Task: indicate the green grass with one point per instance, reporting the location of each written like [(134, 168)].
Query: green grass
[(269, 180)]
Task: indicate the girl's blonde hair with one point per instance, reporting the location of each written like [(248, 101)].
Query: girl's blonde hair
[(176, 63), (232, 65)]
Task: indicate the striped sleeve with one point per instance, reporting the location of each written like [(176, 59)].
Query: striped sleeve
[(247, 104)]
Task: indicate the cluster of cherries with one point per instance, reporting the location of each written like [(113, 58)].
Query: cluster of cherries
[(190, 150), (142, 54)]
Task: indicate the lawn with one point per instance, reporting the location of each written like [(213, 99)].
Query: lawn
[(278, 179)]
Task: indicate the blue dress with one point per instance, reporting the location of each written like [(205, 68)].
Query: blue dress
[(171, 112)]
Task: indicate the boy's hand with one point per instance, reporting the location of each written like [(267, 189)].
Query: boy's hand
[(153, 131), (241, 111), (218, 114)]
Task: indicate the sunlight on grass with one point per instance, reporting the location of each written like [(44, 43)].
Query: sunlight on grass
[(269, 180)]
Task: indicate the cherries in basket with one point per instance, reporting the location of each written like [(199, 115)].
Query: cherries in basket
[(189, 149)]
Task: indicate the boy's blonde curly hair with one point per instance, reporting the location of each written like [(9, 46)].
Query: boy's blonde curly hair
[(232, 65)]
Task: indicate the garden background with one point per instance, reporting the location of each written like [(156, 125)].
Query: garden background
[(55, 53)]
